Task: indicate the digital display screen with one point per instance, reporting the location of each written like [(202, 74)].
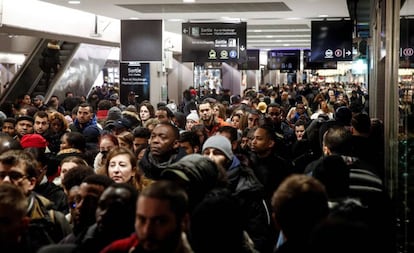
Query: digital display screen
[(308, 64), (331, 40), (284, 60), (407, 43), (252, 61)]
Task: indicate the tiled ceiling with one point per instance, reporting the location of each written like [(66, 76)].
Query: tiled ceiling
[(270, 24)]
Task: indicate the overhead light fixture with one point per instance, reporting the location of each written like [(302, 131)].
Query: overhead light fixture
[(74, 2), (323, 16), (175, 20), (188, 1)]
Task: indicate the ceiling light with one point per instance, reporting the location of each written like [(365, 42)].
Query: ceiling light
[(188, 1), (74, 2), (323, 16)]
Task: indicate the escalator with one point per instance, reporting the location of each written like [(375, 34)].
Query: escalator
[(30, 79)]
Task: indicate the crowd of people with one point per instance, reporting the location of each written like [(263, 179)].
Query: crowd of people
[(283, 169)]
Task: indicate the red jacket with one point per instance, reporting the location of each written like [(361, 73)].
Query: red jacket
[(218, 122), (122, 245)]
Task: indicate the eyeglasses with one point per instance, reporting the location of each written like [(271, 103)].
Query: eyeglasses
[(13, 175)]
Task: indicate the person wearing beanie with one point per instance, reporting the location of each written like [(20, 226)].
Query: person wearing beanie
[(24, 125), (114, 113), (192, 119), (246, 188), (33, 141), (37, 145), (262, 107)]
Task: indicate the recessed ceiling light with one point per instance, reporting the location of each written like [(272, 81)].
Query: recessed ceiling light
[(188, 1), (175, 20), (74, 2), (323, 16), (133, 18)]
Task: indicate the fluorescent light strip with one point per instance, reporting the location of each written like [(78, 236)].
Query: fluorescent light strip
[(278, 30), (278, 45), (270, 40), (280, 36)]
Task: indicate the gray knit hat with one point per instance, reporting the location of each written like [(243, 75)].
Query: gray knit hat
[(221, 143), (114, 113)]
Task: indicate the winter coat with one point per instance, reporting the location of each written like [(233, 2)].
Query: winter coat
[(250, 194), (152, 169)]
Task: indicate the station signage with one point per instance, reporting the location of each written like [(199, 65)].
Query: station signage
[(214, 42), (134, 76), (308, 64), (252, 61), (284, 60), (407, 43), (331, 40)]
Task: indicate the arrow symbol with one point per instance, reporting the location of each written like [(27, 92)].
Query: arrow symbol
[(242, 48), (185, 30), (348, 53)]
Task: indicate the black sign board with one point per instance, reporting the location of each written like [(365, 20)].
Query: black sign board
[(331, 40), (134, 76), (284, 60), (252, 62), (213, 42), (308, 64), (141, 40), (407, 43)]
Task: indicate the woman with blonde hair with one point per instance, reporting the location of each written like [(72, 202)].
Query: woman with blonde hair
[(121, 166)]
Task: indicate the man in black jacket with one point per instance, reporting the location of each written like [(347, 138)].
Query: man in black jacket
[(246, 188), (164, 149), (46, 226)]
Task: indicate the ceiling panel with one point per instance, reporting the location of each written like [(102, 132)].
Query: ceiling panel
[(276, 24), (207, 7)]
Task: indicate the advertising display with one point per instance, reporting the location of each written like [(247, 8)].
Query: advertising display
[(214, 42), (308, 64), (134, 77), (407, 43), (283, 60), (331, 40), (252, 62)]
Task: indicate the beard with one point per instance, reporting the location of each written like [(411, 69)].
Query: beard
[(169, 244)]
